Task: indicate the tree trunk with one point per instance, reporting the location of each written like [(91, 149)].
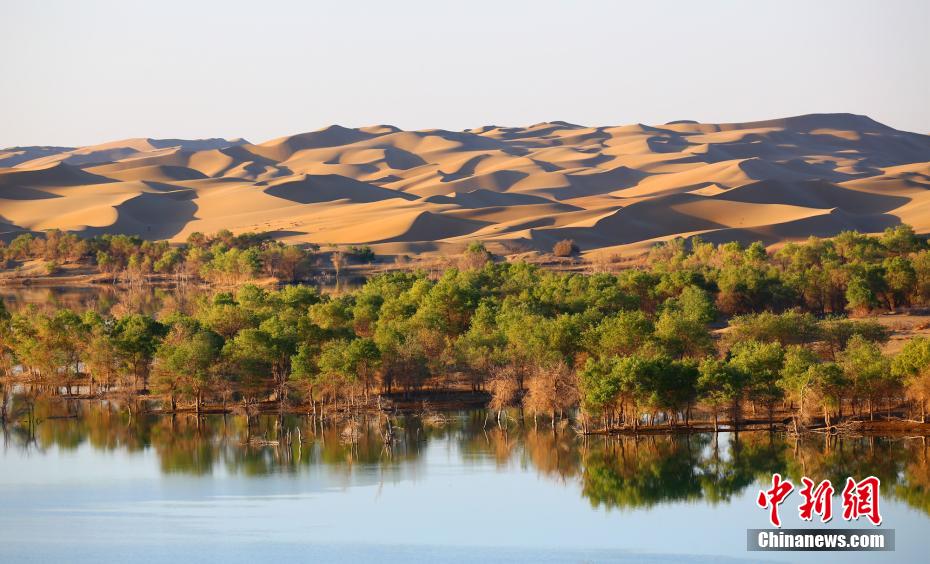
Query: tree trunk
[(736, 414)]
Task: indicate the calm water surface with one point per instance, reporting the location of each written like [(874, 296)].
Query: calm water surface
[(96, 486)]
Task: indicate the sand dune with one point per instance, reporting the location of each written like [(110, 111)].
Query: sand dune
[(115, 150), (158, 173), (58, 174), (310, 189), (613, 189)]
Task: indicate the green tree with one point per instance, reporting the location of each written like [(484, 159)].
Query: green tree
[(790, 327), (719, 385), (621, 334), (6, 342), (265, 350), (859, 296), (99, 352), (868, 370), (136, 338), (761, 365), (835, 333), (797, 376), (829, 384), (900, 280), (912, 366), (683, 336), (186, 361)]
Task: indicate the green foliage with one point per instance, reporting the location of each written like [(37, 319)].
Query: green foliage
[(135, 338), (859, 295), (634, 343), (186, 361), (621, 334), (694, 303), (681, 335), (599, 384), (761, 365), (900, 278), (719, 383), (836, 332), (224, 257), (913, 359), (787, 328), (362, 254), (869, 371)]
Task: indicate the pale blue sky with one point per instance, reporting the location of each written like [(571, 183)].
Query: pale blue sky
[(81, 72)]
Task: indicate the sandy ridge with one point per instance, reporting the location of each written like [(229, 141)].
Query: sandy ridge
[(612, 189)]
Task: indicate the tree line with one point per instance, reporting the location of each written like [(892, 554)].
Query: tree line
[(637, 347), (222, 257)]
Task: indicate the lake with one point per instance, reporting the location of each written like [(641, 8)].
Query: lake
[(82, 482)]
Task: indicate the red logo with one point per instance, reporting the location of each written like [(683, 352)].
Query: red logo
[(773, 497), (817, 500), (860, 499)]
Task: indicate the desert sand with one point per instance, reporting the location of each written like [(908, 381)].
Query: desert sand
[(613, 190)]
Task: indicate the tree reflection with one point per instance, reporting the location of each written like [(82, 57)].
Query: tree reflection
[(642, 471), (619, 472)]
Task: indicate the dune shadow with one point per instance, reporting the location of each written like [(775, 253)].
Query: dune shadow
[(282, 233), (591, 184), (498, 181), (637, 222), (18, 155), (9, 230), (152, 215), (465, 170), (58, 174), (826, 225), (429, 226), (483, 198), (546, 166), (813, 194), (399, 159), (666, 144), (25, 193), (313, 189)]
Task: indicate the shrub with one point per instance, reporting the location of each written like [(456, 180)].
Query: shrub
[(362, 254), (565, 248)]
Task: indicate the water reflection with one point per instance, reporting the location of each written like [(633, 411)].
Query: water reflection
[(104, 298), (623, 473)]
